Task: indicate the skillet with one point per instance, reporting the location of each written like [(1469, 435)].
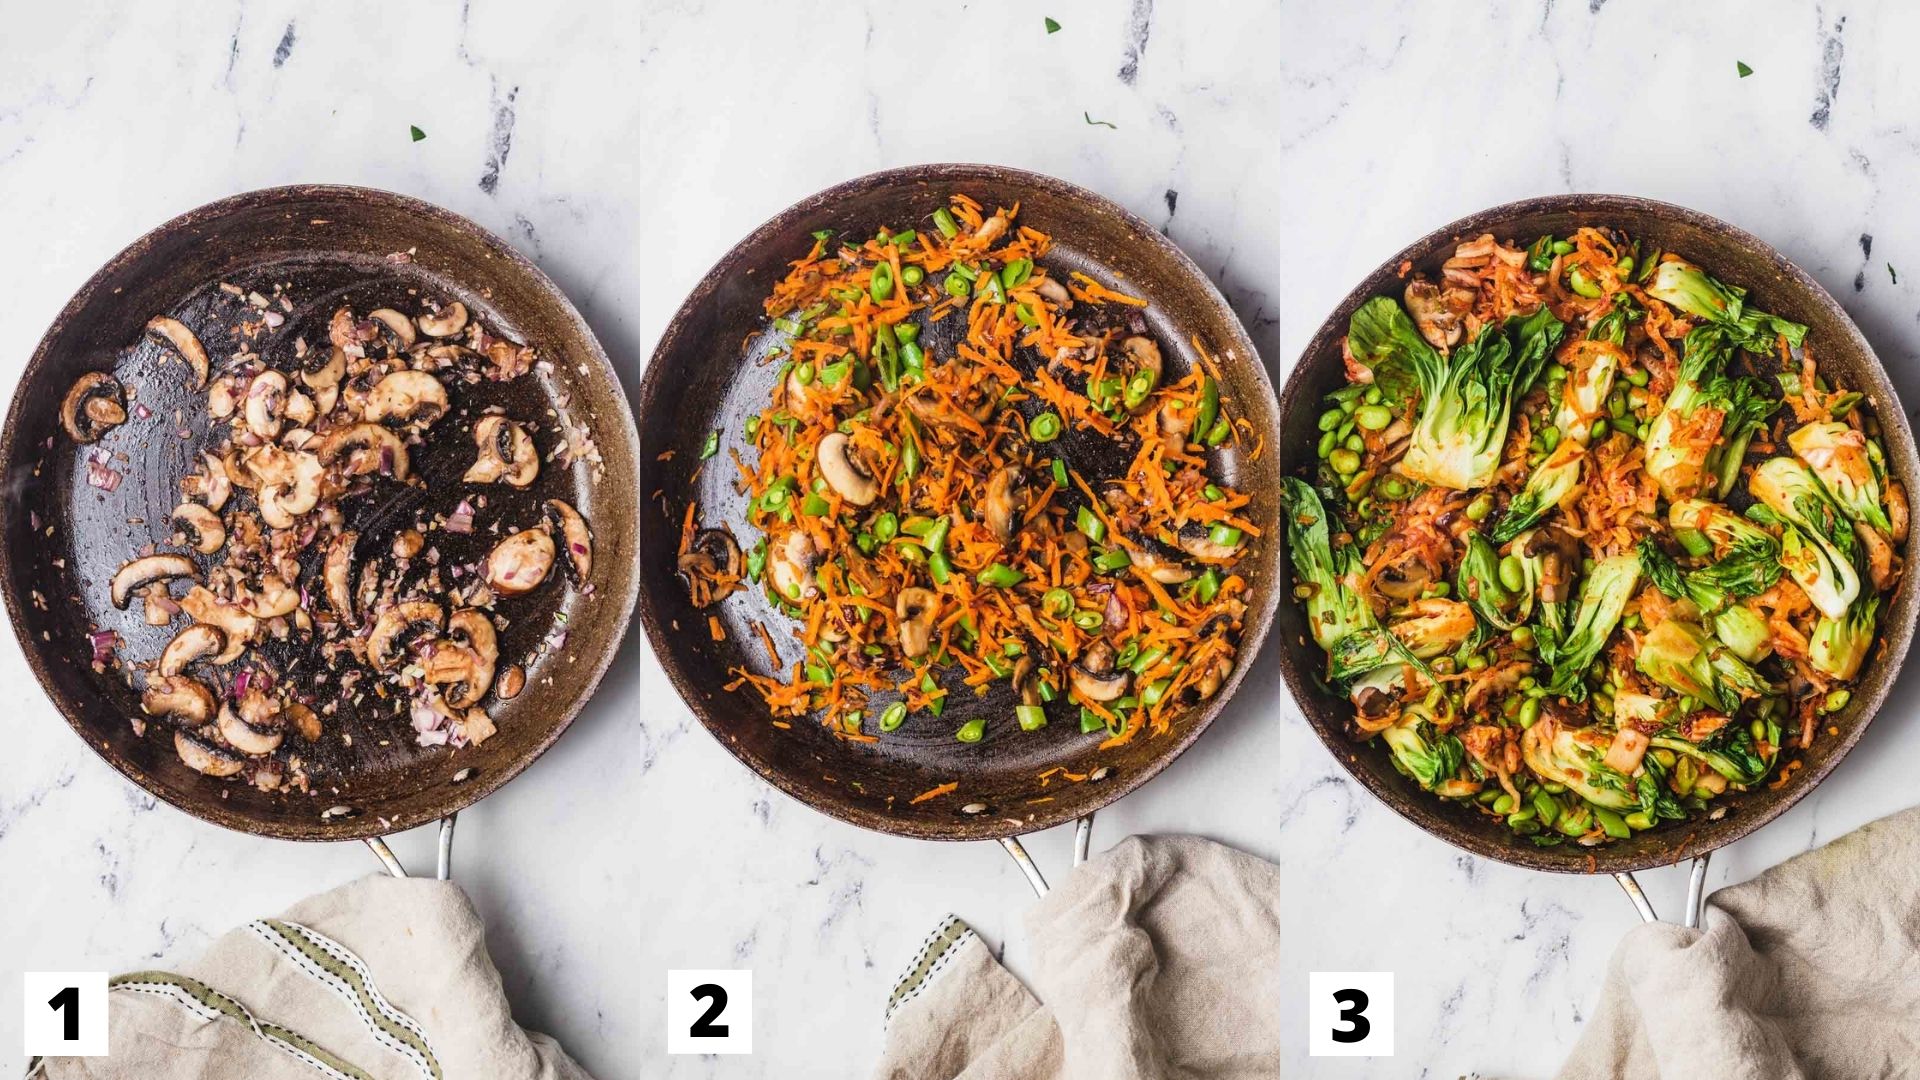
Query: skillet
[(63, 539), (1775, 285), (700, 380)]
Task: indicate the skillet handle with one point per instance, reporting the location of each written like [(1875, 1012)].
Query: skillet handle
[(1082, 837), (1696, 893), (443, 869)]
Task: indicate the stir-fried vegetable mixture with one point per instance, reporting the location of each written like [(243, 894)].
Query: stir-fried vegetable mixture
[(978, 470), (1589, 541)]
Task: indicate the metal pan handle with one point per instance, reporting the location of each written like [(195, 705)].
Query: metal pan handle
[(443, 868), (1082, 839), (1696, 893)]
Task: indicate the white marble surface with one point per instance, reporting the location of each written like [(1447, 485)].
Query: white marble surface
[(1401, 117), (623, 147)]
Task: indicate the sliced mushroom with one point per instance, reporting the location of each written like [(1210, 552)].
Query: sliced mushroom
[(350, 335), (846, 470), (93, 407), (204, 756), (407, 618), (407, 543), (790, 567), (510, 361), (710, 566), (185, 701), (337, 574), (506, 453), (327, 375), (223, 398), (446, 322), (1006, 503), (396, 324), (158, 605), (202, 606), (407, 395), (463, 663), (916, 608), (1094, 676), (202, 526), (1026, 680), (1055, 293), (1883, 566), (183, 342), (1210, 681), (369, 448), (304, 721), (513, 678), (282, 503), (1161, 568), (273, 599), (146, 570), (193, 642), (521, 562), (301, 411), (266, 395), (574, 536), (212, 484), (1197, 540), (1437, 323), (260, 734)]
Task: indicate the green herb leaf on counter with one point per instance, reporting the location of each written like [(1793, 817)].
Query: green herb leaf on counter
[(1052, 27), (1894, 274), (1102, 123), (417, 133), (1742, 68)]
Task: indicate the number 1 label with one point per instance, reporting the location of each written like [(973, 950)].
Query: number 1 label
[(66, 1013)]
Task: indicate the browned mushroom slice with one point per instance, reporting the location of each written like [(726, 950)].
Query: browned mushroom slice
[(407, 395), (1439, 324), (506, 452), (326, 375), (1094, 676), (915, 608), (1148, 558), (576, 538), (521, 562), (336, 573), (1197, 540), (193, 642), (202, 526), (284, 500), (846, 470), (1055, 293), (259, 731), (351, 335), (93, 406), (790, 567), (211, 483), (446, 322), (368, 448), (187, 702), (398, 326), (409, 617), (272, 599), (1026, 680), (513, 678), (1006, 503), (266, 399), (463, 663), (184, 342), (304, 721), (205, 756), (146, 570), (202, 606), (710, 566)]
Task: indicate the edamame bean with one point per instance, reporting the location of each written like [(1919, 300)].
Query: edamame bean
[(1598, 431), (1331, 419), (1480, 507), (1529, 712), (1344, 461), (1328, 442), (1373, 417), (1512, 574)]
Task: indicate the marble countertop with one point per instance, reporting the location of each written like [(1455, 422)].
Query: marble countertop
[(1388, 134), (623, 149)]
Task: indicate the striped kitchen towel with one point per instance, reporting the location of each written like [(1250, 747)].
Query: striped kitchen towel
[(382, 979)]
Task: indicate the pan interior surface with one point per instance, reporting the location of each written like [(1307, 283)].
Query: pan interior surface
[(1774, 285), (321, 248), (703, 377)]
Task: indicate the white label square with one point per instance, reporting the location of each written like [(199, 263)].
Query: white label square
[(709, 1011), (66, 1014), (1350, 1013)]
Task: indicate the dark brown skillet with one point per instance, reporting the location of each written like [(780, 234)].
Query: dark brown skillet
[(63, 539), (1775, 285), (699, 380)]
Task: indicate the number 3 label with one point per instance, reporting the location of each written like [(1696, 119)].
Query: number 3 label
[(1350, 1013), (66, 1014), (709, 1012)]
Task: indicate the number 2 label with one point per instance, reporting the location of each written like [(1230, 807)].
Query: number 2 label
[(709, 1011)]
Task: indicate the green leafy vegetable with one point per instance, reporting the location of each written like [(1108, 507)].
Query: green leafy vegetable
[(417, 133), (1817, 545), (1839, 646), (1741, 67), (1576, 757), (1422, 752), (1695, 292), (1052, 27), (1848, 466), (1696, 443), (1603, 596), (1335, 609), (1466, 399)]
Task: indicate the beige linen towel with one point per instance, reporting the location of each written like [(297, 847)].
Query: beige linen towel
[(1157, 959), (381, 979), (1811, 971)]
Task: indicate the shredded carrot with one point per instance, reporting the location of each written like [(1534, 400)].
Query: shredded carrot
[(947, 788)]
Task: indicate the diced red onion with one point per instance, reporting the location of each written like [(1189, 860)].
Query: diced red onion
[(140, 410), (240, 684), (461, 520), (100, 475), (103, 642)]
